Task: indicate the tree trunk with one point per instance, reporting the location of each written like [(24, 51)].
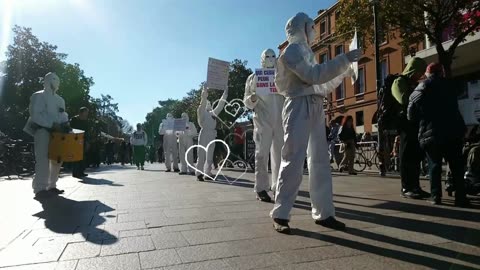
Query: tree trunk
[(446, 60)]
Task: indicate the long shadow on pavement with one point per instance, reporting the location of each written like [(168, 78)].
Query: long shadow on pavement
[(384, 252), (94, 181), (426, 210), (66, 216)]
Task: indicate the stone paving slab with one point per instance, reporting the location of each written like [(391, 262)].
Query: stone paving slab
[(121, 218)]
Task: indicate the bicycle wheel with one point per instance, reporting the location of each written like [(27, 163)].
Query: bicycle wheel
[(25, 165), (3, 169), (360, 163)]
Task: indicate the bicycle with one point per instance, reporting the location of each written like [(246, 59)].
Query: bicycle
[(16, 158)]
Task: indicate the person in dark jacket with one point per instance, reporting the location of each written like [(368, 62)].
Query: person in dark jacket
[(122, 153), (109, 150), (80, 122), (433, 106), (348, 137), (410, 152)]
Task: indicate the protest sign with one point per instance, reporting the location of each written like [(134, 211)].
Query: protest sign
[(180, 124), (265, 81), (167, 125), (217, 74)]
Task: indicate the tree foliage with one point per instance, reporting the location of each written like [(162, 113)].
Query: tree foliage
[(189, 104), (28, 60), (413, 20)]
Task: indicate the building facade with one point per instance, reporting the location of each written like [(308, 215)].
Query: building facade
[(360, 99)]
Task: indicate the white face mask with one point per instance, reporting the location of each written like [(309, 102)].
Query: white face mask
[(269, 59)]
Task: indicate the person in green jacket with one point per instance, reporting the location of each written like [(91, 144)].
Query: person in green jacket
[(410, 151)]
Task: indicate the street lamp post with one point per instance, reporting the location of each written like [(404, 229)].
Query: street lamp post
[(378, 72)]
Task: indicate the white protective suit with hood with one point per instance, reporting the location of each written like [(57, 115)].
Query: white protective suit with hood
[(185, 141), (169, 145), (207, 120), (268, 131), (305, 83), (47, 109)]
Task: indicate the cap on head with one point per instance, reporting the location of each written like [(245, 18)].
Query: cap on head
[(435, 69), (51, 82), (268, 58), (300, 29)]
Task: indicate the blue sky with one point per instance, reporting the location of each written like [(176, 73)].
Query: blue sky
[(142, 51)]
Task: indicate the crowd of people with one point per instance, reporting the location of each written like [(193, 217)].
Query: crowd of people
[(289, 126)]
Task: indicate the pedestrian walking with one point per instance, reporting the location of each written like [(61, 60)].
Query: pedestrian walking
[(139, 140), (348, 137)]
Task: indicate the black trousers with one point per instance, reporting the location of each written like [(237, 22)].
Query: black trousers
[(410, 157), (452, 153), (78, 168)]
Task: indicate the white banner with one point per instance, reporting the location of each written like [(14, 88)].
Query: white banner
[(180, 124), (354, 46), (265, 81), (217, 74), (167, 125)]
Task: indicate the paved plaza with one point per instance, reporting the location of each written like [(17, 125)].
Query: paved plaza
[(121, 218)]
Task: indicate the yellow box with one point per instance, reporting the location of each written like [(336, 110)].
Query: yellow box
[(66, 147)]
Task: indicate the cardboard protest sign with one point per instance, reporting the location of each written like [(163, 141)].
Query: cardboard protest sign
[(217, 74), (265, 81), (167, 125), (180, 124)]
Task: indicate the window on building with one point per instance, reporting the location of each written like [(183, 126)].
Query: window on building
[(359, 121), (323, 28), (384, 66), (360, 84), (337, 15), (340, 91), (338, 50), (323, 58)]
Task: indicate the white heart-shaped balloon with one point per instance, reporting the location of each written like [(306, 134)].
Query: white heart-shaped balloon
[(220, 166), (236, 163), (236, 104)]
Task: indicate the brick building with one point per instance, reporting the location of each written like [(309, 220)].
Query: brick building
[(360, 100)]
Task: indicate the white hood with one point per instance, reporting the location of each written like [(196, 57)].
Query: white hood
[(268, 59), (51, 82), (300, 29), (185, 116)]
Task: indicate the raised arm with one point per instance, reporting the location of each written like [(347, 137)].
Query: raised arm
[(317, 74), (221, 103)]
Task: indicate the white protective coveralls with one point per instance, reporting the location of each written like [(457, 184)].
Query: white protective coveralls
[(305, 83), (46, 109), (185, 141), (207, 121), (169, 145), (268, 130)]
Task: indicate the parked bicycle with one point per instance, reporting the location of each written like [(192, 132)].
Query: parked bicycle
[(16, 158)]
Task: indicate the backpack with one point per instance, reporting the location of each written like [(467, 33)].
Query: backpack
[(390, 112)]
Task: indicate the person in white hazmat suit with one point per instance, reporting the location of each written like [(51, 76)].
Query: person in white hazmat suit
[(47, 113), (169, 145), (305, 83), (185, 141), (207, 120), (268, 131)]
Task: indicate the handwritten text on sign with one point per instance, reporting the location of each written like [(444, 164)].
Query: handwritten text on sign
[(217, 74), (265, 82), (180, 124)]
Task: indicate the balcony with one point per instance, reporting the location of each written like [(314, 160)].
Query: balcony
[(466, 59)]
